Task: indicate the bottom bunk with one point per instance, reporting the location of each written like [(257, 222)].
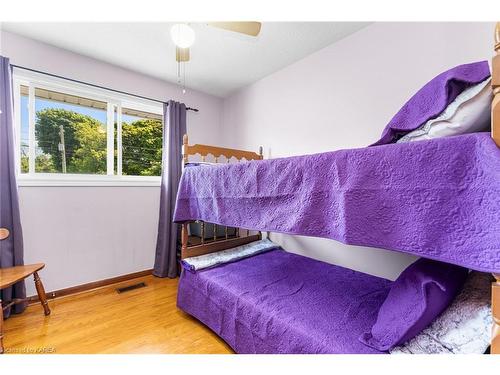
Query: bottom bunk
[(279, 302)]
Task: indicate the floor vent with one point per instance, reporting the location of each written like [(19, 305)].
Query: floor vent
[(130, 287)]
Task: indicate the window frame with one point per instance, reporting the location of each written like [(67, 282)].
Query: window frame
[(114, 100)]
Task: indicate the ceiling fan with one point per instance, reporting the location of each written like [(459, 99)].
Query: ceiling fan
[(183, 35)]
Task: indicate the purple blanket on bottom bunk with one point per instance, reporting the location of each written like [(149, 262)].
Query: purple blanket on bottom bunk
[(276, 303), (439, 199)]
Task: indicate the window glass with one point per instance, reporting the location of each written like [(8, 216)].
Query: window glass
[(25, 131), (116, 151), (141, 143), (70, 133)]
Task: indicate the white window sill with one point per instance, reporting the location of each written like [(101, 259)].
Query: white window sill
[(80, 180)]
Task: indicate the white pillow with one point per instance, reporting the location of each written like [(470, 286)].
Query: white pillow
[(468, 113), (463, 328)]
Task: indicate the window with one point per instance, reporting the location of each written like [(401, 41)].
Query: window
[(141, 143), (71, 133)]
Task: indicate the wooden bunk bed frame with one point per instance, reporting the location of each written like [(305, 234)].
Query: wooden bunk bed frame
[(218, 244), (495, 133)]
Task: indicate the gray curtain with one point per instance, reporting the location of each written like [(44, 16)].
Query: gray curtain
[(174, 127), (11, 249)]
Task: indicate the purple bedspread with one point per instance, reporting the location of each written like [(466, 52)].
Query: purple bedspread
[(278, 302), (439, 199)]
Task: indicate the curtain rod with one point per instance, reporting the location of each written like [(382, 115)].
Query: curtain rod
[(97, 86)]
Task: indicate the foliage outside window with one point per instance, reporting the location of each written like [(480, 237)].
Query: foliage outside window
[(66, 134), (141, 143)]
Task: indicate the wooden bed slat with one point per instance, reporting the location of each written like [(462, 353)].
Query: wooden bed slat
[(194, 251)]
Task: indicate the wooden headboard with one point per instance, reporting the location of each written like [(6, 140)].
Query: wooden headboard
[(194, 246), (216, 152)]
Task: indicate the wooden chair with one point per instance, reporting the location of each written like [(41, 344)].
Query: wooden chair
[(10, 276)]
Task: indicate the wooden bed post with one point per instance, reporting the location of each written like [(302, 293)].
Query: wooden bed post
[(185, 153), (495, 309), (184, 226), (495, 82), (184, 240), (1, 328), (495, 133)]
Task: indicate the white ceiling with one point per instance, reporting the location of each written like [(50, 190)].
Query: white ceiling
[(221, 61)]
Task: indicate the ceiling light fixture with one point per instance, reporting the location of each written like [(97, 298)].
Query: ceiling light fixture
[(182, 35)]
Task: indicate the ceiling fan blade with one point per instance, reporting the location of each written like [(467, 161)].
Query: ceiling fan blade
[(181, 54), (248, 28)]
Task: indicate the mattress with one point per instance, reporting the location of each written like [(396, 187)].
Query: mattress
[(279, 302)]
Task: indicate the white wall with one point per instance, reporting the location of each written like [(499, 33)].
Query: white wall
[(85, 234), (341, 97)]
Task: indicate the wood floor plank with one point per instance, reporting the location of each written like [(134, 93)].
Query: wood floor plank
[(144, 320)]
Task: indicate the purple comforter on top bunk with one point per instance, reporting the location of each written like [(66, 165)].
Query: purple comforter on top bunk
[(439, 199), (276, 303)]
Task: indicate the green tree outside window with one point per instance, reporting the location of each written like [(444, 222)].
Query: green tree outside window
[(85, 144)]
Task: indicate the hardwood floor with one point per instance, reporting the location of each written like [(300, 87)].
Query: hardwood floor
[(144, 320)]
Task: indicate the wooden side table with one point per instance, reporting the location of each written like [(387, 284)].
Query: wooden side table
[(10, 276)]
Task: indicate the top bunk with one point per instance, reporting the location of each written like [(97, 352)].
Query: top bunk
[(438, 198)]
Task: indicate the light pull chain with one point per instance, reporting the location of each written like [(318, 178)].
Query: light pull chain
[(184, 78)]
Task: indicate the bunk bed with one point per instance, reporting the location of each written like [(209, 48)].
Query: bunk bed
[(424, 198)]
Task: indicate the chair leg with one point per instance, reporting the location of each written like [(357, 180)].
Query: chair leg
[(1, 328), (41, 293)]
